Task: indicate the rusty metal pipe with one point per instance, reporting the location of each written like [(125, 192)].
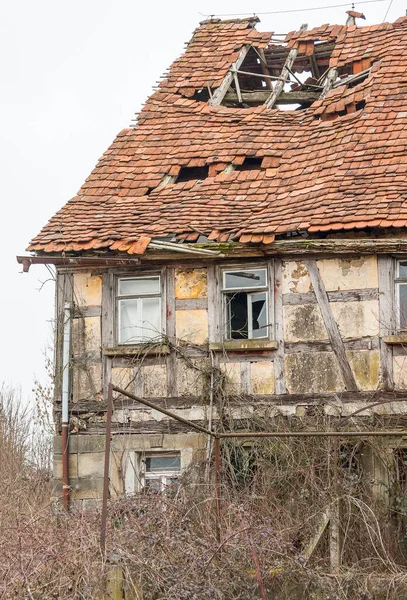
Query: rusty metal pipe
[(65, 466), (107, 467), (66, 367), (281, 434), (164, 411)]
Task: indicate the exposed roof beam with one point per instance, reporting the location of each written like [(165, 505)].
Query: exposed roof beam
[(285, 75), (329, 81), (220, 92), (260, 97)]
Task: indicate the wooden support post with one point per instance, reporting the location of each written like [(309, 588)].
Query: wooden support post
[(335, 549), (332, 328), (387, 320), (171, 359), (284, 76), (311, 547), (264, 68), (279, 360), (114, 583), (220, 92), (218, 487), (314, 66), (238, 92)]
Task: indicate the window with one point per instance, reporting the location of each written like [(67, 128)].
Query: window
[(161, 471), (401, 294), (245, 300), (138, 309)]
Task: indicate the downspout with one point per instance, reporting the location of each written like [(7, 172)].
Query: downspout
[(66, 369)]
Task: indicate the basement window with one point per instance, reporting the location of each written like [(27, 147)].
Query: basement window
[(245, 303), (138, 309), (192, 174), (160, 472), (251, 163), (401, 294)]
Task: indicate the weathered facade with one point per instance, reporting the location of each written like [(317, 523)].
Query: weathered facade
[(233, 261)]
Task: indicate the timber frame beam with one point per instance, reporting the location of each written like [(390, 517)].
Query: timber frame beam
[(219, 93), (337, 344)]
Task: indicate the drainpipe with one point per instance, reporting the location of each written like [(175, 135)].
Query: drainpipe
[(66, 358)]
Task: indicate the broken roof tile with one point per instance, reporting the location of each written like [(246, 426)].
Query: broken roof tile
[(316, 175)]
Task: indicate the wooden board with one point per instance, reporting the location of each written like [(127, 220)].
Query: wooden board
[(335, 296), (387, 318), (171, 333), (279, 363)]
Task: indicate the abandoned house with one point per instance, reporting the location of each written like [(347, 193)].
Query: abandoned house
[(253, 224)]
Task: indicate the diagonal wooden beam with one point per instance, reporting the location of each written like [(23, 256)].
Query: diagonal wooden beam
[(221, 91), (329, 81), (285, 74), (332, 328)]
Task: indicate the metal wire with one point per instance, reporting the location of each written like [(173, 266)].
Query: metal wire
[(387, 11), (295, 10)]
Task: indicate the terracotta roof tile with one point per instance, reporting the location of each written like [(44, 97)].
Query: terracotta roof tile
[(346, 172)]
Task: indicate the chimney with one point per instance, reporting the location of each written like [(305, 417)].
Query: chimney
[(352, 16)]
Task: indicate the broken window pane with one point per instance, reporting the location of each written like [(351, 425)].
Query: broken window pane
[(236, 315), (246, 315), (259, 315)]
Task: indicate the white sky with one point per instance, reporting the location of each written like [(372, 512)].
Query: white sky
[(72, 75)]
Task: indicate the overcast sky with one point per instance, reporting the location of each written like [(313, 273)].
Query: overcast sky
[(72, 75)]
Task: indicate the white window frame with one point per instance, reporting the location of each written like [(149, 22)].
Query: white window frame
[(398, 281), (161, 305), (161, 476), (134, 469), (251, 292)]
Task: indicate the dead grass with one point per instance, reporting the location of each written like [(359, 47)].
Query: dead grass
[(273, 495)]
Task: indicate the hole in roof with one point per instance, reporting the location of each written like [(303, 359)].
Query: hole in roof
[(192, 174), (360, 105), (261, 70), (342, 113), (250, 163)]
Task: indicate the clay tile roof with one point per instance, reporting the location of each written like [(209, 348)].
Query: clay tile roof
[(214, 46), (334, 166)]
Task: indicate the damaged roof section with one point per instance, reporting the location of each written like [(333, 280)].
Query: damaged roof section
[(214, 47), (227, 169)]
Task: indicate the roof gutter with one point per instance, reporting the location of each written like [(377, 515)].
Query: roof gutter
[(80, 261)]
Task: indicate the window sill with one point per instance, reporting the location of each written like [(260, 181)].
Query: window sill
[(244, 345), (137, 349), (400, 338)]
